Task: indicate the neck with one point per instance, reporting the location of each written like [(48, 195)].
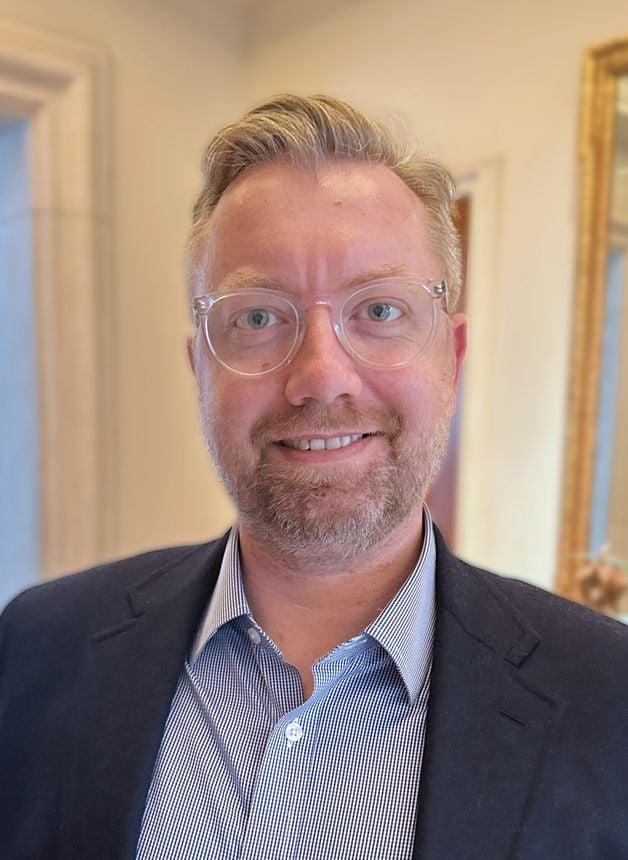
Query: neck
[(308, 608)]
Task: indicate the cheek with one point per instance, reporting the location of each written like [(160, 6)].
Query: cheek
[(420, 394), (232, 406)]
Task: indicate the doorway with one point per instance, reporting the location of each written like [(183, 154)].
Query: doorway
[(19, 445)]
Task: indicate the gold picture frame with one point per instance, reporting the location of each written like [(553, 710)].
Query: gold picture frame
[(603, 66)]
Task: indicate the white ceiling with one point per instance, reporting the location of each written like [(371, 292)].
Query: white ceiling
[(263, 20), (251, 23)]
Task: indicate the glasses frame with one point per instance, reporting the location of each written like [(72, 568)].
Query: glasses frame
[(336, 302)]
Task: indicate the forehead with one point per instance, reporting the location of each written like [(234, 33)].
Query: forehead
[(318, 229)]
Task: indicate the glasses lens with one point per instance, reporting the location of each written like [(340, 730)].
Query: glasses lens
[(252, 332), (389, 329)]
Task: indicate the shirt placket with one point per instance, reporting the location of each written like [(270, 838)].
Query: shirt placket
[(273, 820), (279, 803)]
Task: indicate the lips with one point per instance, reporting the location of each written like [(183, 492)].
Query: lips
[(327, 444)]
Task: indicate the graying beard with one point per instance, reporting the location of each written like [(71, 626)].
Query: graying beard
[(270, 513), (281, 517)]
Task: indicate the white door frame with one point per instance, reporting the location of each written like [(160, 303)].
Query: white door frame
[(477, 437), (62, 89)]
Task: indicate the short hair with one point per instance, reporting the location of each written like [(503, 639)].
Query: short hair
[(308, 131)]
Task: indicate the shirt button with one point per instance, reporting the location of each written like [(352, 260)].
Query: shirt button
[(294, 732), (254, 636)]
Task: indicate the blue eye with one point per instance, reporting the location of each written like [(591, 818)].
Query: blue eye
[(381, 312), (256, 319)]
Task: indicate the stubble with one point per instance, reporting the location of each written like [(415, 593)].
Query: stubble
[(342, 512)]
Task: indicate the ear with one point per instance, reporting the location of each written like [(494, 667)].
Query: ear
[(190, 351), (458, 324)]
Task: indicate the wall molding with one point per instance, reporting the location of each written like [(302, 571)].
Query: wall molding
[(474, 499), (63, 89)]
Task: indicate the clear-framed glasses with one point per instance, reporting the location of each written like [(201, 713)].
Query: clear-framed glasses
[(385, 324)]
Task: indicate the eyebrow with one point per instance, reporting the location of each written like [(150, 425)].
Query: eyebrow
[(247, 279), (376, 275)]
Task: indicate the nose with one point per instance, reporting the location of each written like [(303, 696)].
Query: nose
[(321, 371)]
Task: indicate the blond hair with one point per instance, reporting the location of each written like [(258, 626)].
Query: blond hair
[(307, 131)]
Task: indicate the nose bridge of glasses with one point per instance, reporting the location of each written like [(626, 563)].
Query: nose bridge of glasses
[(333, 302), (315, 324), (333, 314)]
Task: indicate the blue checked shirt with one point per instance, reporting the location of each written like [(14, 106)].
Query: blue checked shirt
[(247, 769)]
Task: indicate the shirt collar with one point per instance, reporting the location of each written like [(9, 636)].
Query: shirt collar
[(404, 629), (228, 600)]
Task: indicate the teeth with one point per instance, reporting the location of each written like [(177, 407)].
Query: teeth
[(323, 444)]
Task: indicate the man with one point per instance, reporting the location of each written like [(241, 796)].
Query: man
[(327, 681)]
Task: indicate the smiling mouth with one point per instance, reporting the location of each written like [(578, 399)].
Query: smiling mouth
[(329, 444)]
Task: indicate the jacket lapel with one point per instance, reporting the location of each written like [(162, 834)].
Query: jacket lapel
[(130, 675), (487, 726)]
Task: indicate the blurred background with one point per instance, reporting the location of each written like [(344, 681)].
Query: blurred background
[(105, 107)]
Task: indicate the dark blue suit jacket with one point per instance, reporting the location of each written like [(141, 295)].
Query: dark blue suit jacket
[(527, 738)]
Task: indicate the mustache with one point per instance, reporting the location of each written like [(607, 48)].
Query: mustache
[(313, 420)]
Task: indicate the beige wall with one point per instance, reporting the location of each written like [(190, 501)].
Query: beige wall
[(174, 69), (489, 82), (498, 82)]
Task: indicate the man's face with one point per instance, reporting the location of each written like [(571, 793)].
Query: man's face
[(312, 234)]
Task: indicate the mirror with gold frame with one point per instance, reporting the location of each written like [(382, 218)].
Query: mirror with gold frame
[(593, 563)]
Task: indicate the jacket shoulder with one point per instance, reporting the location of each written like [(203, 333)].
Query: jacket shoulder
[(575, 647), (83, 598), (554, 615)]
